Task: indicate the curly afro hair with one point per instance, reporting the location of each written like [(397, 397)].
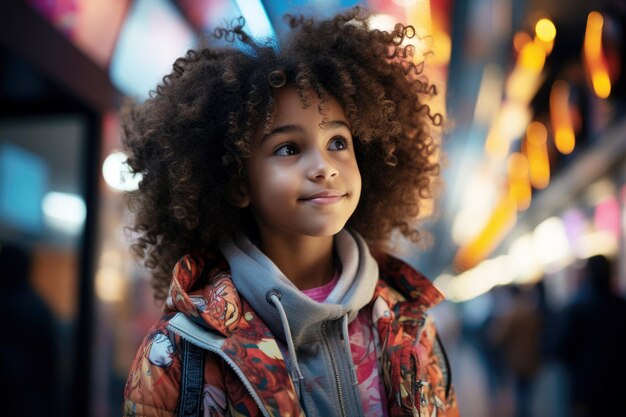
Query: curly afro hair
[(191, 138)]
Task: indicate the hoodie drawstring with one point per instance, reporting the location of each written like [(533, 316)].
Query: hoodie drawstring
[(346, 344), (273, 297)]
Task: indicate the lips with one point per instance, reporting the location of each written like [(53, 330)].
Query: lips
[(324, 197)]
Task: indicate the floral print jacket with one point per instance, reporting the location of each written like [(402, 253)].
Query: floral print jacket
[(245, 373)]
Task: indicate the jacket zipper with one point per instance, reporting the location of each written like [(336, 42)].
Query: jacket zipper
[(333, 361), (228, 361), (419, 384)]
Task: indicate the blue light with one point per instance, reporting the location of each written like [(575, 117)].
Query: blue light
[(319, 9), (153, 36), (23, 182), (257, 21)]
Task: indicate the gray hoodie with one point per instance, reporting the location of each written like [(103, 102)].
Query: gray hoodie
[(316, 334)]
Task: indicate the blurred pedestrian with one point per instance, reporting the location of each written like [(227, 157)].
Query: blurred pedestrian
[(592, 344), (517, 334), (28, 347)]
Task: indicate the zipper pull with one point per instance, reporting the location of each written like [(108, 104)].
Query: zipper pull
[(421, 383)]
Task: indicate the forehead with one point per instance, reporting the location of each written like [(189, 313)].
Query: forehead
[(290, 108)]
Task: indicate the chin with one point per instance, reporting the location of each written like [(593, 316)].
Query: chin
[(326, 230)]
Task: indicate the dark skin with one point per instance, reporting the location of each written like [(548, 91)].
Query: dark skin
[(303, 186), (191, 141)]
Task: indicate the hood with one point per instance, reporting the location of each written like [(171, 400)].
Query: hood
[(203, 287), (257, 277)]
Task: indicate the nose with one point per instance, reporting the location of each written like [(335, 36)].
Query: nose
[(320, 166)]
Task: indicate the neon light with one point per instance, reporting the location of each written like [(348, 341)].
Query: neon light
[(594, 59), (562, 124), (257, 21)]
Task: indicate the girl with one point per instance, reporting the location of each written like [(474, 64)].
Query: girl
[(271, 181)]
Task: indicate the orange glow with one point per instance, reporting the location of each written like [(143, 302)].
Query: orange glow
[(442, 48), (418, 12), (562, 123), (547, 46), (522, 85), (520, 39), (594, 60), (520, 192), (601, 83), (502, 219), (545, 30), (537, 133), (517, 166), (593, 36), (532, 57), (565, 140), (537, 153)]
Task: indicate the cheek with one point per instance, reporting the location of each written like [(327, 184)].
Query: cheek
[(356, 181), (270, 186)]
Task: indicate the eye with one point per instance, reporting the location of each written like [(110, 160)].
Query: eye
[(286, 150), (338, 143)]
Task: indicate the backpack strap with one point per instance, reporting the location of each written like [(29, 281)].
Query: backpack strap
[(440, 352), (192, 358)]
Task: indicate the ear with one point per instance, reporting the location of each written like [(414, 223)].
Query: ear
[(238, 195)]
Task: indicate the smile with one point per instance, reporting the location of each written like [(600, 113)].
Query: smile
[(324, 200)]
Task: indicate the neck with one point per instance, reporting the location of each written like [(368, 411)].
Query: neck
[(306, 260)]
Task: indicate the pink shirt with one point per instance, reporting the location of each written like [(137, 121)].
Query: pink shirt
[(363, 343)]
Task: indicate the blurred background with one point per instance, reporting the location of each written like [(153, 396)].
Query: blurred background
[(533, 93)]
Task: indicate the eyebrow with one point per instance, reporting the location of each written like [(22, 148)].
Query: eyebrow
[(334, 124)]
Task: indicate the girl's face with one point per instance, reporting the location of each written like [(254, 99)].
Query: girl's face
[(303, 178)]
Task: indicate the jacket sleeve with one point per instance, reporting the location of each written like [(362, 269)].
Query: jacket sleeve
[(153, 384)]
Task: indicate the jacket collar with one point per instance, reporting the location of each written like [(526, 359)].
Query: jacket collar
[(411, 285), (203, 290)]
